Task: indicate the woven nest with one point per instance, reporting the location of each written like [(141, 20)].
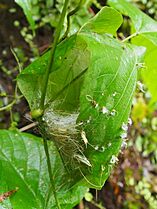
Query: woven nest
[(66, 134)]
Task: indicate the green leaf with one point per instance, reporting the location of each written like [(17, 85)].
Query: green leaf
[(143, 24), (71, 63), (92, 74), (110, 83), (23, 165), (149, 73), (146, 28), (27, 8), (108, 20)]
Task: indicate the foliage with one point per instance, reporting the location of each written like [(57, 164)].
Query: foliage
[(143, 188), (144, 34), (23, 166), (63, 95), (148, 7)]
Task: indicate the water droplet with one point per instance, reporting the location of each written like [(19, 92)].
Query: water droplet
[(102, 167), (96, 147), (109, 144), (102, 149), (104, 110), (124, 127), (89, 98), (113, 112), (89, 119), (114, 94), (140, 65), (99, 148), (96, 105)]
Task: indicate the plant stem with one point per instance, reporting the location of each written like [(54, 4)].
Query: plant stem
[(71, 13), (130, 37), (97, 205), (29, 126), (50, 172), (7, 107), (17, 59), (52, 53)]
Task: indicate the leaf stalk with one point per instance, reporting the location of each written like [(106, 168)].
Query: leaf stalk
[(50, 172)]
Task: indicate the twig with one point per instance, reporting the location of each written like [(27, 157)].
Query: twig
[(29, 126), (130, 37)]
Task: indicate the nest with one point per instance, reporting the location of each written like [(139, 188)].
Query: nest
[(66, 134)]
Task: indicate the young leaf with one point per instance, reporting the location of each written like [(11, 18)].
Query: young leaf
[(108, 20), (143, 24), (23, 165)]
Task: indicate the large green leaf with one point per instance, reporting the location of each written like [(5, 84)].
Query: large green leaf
[(110, 82), (23, 165), (104, 78), (107, 20), (27, 8), (91, 72), (143, 24)]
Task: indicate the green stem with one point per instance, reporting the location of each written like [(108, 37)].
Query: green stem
[(130, 37), (71, 13), (7, 107), (52, 53), (17, 59), (50, 172), (97, 205)]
